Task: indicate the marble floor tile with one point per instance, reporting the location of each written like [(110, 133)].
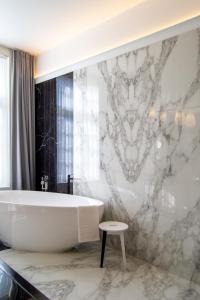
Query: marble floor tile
[(75, 275)]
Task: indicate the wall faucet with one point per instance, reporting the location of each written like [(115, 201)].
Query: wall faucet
[(44, 183)]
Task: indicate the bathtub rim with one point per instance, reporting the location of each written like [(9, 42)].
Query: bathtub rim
[(95, 202)]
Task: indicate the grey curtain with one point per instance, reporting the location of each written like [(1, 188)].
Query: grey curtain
[(22, 121)]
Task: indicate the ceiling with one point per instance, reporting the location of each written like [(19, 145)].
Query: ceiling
[(39, 25)]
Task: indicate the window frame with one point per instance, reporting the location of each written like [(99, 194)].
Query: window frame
[(6, 52)]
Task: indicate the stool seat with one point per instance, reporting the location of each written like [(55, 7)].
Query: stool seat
[(115, 228)]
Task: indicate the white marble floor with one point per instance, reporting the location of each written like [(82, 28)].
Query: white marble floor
[(76, 275)]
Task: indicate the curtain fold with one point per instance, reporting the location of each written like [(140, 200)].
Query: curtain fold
[(22, 121)]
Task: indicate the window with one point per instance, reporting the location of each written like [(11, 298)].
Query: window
[(5, 181)]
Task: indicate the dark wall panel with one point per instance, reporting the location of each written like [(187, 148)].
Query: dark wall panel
[(54, 132)]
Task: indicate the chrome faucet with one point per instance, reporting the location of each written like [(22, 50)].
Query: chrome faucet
[(44, 183)]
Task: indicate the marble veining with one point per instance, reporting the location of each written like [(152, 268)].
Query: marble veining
[(76, 275), (137, 148)]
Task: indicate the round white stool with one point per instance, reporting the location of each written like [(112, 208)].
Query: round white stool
[(113, 228)]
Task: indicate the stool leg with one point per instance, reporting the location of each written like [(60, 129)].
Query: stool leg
[(123, 248), (103, 248)]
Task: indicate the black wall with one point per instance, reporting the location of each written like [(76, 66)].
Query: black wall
[(54, 132)]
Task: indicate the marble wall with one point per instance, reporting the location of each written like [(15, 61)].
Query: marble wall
[(137, 147), (45, 130), (54, 132)]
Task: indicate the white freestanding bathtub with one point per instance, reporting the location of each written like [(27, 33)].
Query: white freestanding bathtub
[(39, 221)]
